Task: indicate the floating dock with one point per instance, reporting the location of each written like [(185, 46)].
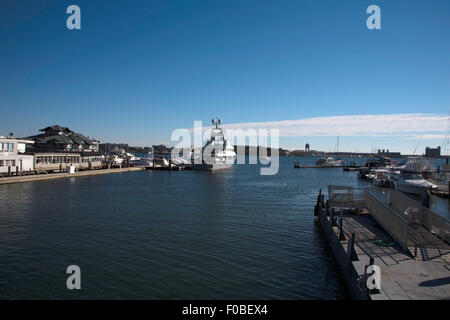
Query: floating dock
[(346, 168), (408, 242), (49, 176)]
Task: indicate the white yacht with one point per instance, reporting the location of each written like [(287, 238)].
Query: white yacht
[(329, 162), (218, 153), (413, 182)]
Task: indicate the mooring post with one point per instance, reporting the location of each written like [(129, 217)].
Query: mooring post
[(341, 231), (332, 218), (351, 255)]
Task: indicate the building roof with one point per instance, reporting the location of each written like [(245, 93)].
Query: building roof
[(56, 128), (60, 139), (78, 138), (60, 135)]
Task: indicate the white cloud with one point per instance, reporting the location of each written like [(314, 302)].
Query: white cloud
[(429, 126)]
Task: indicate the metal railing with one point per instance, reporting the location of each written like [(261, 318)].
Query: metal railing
[(391, 221), (433, 222), (345, 194)]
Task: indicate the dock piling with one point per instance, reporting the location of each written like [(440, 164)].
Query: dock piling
[(341, 230)]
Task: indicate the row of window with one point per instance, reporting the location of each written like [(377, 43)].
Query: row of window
[(7, 163), (92, 159), (6, 146), (57, 159), (64, 159)]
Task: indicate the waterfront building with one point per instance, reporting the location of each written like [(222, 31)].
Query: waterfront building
[(13, 159), (432, 152), (59, 161)]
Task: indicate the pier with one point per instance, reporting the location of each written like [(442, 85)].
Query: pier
[(408, 242), (50, 176)]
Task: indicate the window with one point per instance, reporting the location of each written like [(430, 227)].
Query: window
[(1, 163), (11, 147), (13, 163)]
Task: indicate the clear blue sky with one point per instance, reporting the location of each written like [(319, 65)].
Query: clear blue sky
[(139, 69)]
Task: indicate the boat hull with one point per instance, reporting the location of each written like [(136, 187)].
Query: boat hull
[(210, 167), (410, 188)]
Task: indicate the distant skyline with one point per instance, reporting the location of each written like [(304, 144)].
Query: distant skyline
[(138, 70)]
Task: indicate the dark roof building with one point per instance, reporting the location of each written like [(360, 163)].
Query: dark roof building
[(57, 138)]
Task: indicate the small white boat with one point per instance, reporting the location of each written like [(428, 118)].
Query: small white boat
[(115, 160), (329, 162), (381, 178)]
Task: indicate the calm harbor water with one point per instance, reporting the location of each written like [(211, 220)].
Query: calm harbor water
[(170, 235)]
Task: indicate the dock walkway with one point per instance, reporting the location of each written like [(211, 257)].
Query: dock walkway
[(39, 177), (356, 237)]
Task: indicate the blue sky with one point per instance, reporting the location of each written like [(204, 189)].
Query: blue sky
[(139, 69)]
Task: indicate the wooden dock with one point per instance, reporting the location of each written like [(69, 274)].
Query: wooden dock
[(366, 227), (441, 190), (50, 176)]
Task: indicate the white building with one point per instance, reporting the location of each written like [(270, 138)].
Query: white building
[(13, 159)]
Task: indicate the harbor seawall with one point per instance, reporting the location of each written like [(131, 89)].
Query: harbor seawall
[(350, 270)]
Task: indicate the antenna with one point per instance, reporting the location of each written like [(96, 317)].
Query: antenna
[(446, 142), (414, 153)]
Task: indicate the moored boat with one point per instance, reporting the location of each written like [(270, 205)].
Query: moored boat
[(329, 162)]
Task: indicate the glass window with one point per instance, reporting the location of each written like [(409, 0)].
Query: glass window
[(11, 147), (13, 163), (1, 163)]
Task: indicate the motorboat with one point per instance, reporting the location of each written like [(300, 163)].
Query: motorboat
[(381, 178), (414, 183), (380, 162)]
